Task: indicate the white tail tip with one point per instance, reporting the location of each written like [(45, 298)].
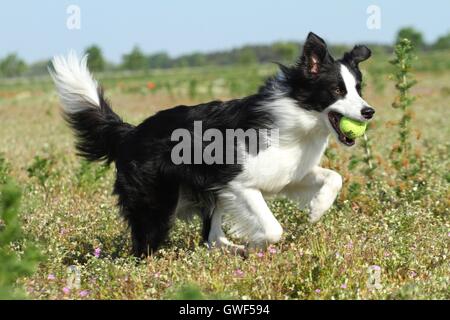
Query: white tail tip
[(76, 87)]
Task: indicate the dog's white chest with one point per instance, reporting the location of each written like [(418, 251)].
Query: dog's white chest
[(274, 168)]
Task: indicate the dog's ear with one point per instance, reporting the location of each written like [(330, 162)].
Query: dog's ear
[(358, 54), (315, 54)]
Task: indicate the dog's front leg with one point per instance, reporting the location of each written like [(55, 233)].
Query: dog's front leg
[(317, 190), (251, 218), (218, 239)]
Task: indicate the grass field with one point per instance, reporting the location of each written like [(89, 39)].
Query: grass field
[(388, 223)]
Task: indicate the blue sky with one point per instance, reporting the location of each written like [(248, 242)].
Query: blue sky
[(37, 29)]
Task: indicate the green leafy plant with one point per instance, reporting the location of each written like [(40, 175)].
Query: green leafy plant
[(367, 158), (188, 292), (40, 169), (191, 291), (404, 56), (12, 266), (4, 170), (89, 174)]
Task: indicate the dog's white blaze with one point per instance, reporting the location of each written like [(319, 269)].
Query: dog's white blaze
[(353, 100), (352, 104), (350, 83), (76, 87)]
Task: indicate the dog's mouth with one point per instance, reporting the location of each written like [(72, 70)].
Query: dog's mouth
[(335, 118)]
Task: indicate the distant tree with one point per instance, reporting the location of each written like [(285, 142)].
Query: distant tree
[(413, 35), (38, 68), (182, 62), (159, 60), (442, 43), (12, 66), (197, 59), (247, 56), (286, 51), (192, 60), (135, 60), (96, 62), (339, 49)]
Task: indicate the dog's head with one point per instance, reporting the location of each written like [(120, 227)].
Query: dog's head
[(330, 87)]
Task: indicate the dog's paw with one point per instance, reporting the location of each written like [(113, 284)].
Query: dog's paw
[(314, 218), (229, 247)]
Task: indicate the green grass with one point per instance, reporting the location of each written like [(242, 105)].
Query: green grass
[(68, 212)]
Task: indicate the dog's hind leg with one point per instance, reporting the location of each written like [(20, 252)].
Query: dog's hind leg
[(317, 190), (150, 218), (149, 228)]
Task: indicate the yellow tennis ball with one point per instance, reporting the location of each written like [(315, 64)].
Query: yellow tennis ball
[(351, 128)]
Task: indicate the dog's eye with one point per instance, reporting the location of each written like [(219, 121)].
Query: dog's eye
[(338, 91)]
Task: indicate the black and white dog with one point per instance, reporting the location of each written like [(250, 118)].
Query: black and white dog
[(303, 102)]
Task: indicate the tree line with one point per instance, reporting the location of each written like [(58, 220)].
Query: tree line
[(13, 66)]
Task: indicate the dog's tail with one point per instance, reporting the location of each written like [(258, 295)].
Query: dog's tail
[(98, 129)]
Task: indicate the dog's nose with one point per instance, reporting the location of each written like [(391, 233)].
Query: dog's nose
[(367, 112)]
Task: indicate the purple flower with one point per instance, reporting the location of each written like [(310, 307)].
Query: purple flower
[(158, 275), (272, 250), (84, 293), (317, 291), (448, 234), (375, 267), (51, 277), (66, 290), (97, 252), (412, 273), (343, 286), (239, 273), (260, 254)]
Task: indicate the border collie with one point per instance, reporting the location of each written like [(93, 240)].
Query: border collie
[(304, 102)]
